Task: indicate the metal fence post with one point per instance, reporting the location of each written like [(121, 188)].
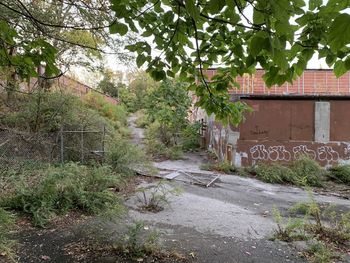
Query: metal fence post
[(82, 144), (62, 145), (103, 141)]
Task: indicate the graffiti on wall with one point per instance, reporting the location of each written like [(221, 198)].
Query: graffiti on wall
[(218, 140), (324, 153), (272, 153), (221, 140)]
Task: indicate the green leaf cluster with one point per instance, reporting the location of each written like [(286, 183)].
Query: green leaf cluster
[(193, 35), (26, 60)]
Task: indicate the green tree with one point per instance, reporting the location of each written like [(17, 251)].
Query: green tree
[(192, 35), (23, 62), (127, 98), (189, 36), (140, 85), (108, 86), (78, 29), (168, 104), (57, 35), (133, 95)]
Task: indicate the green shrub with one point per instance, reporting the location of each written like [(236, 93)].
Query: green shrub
[(168, 104), (105, 108), (308, 172), (303, 172), (246, 171), (125, 132), (155, 131), (156, 148), (340, 173), (64, 188), (122, 155), (275, 173), (43, 111), (190, 137), (175, 153)]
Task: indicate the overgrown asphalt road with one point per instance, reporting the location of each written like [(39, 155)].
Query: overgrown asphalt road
[(229, 222)]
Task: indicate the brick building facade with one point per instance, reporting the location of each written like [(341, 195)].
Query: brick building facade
[(308, 117)]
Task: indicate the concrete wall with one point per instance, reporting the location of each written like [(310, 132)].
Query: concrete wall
[(282, 129)]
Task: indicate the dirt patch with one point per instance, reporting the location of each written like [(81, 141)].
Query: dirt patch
[(53, 243), (334, 189), (87, 251), (129, 187)]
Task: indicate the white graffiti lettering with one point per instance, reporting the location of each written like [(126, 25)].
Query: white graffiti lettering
[(326, 153), (273, 153), (303, 150), (259, 152), (280, 153)]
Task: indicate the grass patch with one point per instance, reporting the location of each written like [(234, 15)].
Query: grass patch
[(6, 244), (141, 119)]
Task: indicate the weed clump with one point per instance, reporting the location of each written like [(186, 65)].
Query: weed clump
[(135, 244), (154, 198), (328, 237), (318, 252), (224, 167), (289, 230)]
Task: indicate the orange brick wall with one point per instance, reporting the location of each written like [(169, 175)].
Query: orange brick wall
[(313, 81), (81, 89)]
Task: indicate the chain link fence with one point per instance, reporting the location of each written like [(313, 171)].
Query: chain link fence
[(66, 145)]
